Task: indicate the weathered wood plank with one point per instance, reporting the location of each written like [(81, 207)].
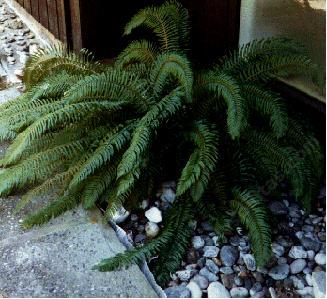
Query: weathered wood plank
[(62, 27), (43, 13), (27, 6), (35, 9), (53, 17), (76, 24)]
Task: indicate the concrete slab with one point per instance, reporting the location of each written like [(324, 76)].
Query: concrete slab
[(55, 260), (8, 94)]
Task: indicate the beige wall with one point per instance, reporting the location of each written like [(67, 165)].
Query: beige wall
[(302, 20)]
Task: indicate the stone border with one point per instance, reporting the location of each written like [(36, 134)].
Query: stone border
[(44, 35)]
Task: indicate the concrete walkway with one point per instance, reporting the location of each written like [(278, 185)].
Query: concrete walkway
[(55, 260)]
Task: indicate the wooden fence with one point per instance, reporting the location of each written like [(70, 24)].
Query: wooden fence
[(50, 13)]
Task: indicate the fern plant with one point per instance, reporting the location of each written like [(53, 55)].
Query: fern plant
[(97, 133)]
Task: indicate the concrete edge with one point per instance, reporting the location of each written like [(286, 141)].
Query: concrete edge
[(44, 35), (122, 236)]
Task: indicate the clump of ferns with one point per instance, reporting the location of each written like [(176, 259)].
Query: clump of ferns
[(93, 133)]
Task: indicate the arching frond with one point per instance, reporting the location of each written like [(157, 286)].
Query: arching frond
[(251, 210), (196, 173)]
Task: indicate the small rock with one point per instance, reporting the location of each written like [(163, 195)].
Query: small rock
[(227, 280), (319, 284), (256, 288), (272, 292), (228, 255), (320, 259), (207, 226), (212, 266), (238, 281), (139, 238), (308, 279), (151, 229), (197, 242), (185, 275), (210, 251), (209, 275), (297, 282), (282, 260), (154, 215), (277, 249), (195, 289), (307, 270), (249, 262), (306, 292), (279, 272), (235, 240), (168, 195), (310, 244), (201, 280), (307, 228), (297, 266), (144, 204), (297, 252), (226, 270), (239, 292), (311, 255), (134, 217), (178, 292), (217, 290), (278, 208)]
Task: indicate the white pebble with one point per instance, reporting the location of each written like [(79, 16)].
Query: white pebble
[(154, 215)]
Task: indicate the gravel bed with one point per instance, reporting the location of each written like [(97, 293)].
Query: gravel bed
[(216, 269), (17, 43)]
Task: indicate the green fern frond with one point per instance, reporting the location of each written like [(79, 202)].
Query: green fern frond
[(196, 173), (54, 59), (141, 51), (168, 66), (69, 114), (159, 112), (252, 213), (268, 104), (113, 142), (97, 185), (222, 85)]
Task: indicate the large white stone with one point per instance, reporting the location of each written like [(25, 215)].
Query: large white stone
[(196, 291), (154, 215), (319, 284), (320, 259), (217, 290)]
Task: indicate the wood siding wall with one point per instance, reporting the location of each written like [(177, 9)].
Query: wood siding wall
[(98, 24), (52, 14)]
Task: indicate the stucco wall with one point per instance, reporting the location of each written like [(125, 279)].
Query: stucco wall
[(302, 20)]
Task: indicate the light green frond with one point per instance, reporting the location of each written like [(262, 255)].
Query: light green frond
[(69, 114), (141, 51), (55, 59)]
